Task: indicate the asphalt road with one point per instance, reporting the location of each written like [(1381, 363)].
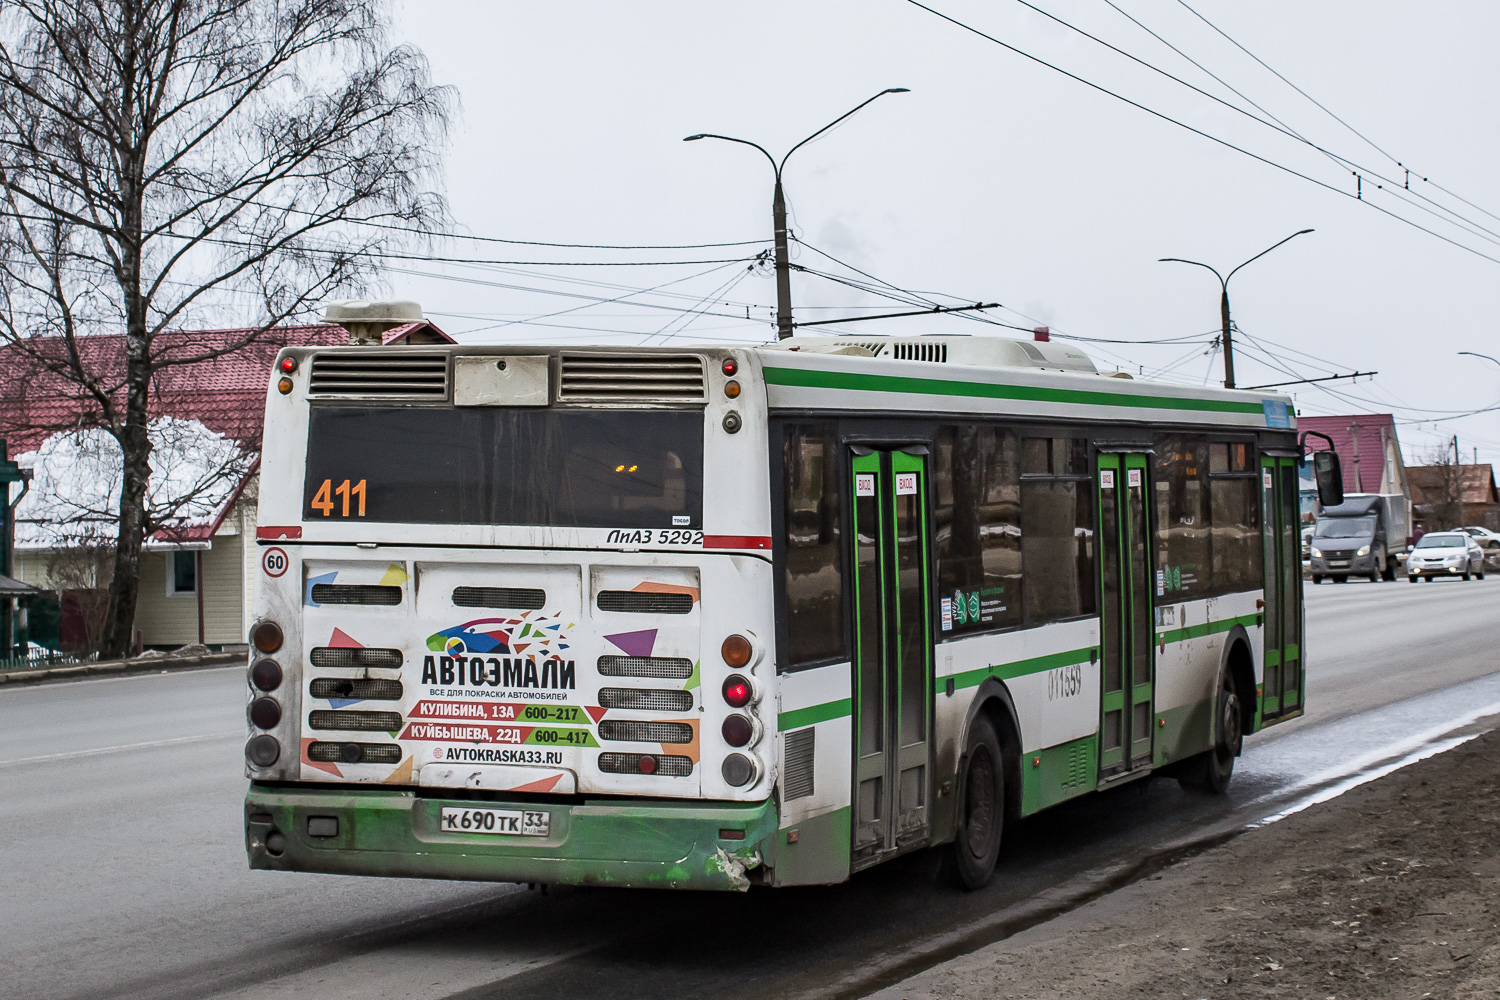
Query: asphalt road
[(123, 872)]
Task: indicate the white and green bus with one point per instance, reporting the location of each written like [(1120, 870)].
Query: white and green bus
[(759, 614)]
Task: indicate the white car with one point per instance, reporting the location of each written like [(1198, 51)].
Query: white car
[(1445, 553)]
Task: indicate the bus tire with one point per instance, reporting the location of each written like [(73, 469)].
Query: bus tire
[(1316, 579), (1211, 770), (981, 808)]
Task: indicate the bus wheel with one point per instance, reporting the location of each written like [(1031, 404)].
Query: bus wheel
[(1317, 579), (1211, 770), (981, 807)]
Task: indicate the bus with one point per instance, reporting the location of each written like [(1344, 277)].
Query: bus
[(725, 616)]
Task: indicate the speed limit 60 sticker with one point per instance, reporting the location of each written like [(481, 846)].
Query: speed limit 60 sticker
[(274, 561)]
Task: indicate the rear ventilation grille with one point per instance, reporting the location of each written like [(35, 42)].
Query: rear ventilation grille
[(797, 778), (396, 373), (630, 763), (646, 699), (378, 722), (626, 378), (354, 753), (342, 656), (642, 602), (875, 347), (513, 598), (920, 352), (355, 688), (355, 593), (646, 732), (671, 667)]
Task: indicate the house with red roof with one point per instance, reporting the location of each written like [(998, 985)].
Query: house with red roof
[(207, 413)]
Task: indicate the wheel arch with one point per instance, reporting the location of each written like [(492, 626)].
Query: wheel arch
[(994, 702), (1237, 660)]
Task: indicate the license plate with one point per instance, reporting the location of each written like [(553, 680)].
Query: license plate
[(1338, 562), (506, 822)]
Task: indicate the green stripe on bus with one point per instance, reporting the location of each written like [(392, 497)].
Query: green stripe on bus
[(1005, 671), (813, 714), (1208, 628), (808, 378)]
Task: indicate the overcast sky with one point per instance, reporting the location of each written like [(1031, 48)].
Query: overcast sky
[(995, 179)]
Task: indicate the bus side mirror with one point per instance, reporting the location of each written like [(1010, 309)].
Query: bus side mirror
[(1330, 478)]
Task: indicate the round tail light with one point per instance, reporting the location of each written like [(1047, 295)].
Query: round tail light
[(738, 770), (287, 365), (647, 764), (738, 730), (265, 712), (737, 691), (266, 675), (736, 651), (267, 637), (731, 366), (262, 750)]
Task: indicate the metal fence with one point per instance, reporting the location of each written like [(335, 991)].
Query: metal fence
[(38, 657)]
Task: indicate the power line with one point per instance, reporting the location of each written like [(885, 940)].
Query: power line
[(1199, 132)]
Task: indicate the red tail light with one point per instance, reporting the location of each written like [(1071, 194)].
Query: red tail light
[(737, 730), (647, 764), (737, 691), (267, 637)]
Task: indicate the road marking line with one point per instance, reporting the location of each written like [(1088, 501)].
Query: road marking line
[(72, 754)]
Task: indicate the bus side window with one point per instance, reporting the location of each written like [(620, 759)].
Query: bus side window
[(1057, 512), (812, 575), (978, 528)]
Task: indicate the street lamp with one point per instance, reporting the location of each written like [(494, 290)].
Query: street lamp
[(1224, 301), (778, 211)]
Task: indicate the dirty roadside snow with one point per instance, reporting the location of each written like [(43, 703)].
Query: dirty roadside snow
[(1388, 891)]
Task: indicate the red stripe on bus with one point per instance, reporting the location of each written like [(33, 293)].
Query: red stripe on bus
[(277, 531), (736, 541)]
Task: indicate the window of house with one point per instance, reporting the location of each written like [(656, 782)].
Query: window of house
[(182, 573)]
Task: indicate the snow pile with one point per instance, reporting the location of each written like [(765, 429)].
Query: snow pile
[(76, 477)]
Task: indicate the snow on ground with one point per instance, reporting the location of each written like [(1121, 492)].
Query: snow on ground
[(76, 476)]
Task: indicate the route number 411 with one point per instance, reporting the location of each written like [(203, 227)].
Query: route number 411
[(323, 500)]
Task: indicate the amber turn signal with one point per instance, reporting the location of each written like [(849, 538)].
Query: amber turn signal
[(732, 389), (266, 636), (284, 386), (736, 651)]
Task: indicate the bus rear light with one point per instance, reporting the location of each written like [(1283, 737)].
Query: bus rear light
[(736, 651), (265, 713), (263, 750), (647, 764), (737, 691), (287, 365), (284, 385), (266, 675), (737, 730), (738, 770), (267, 637), (731, 367), (732, 389), (725, 833)]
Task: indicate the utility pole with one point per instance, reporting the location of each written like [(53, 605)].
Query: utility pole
[(1226, 336), (778, 211)]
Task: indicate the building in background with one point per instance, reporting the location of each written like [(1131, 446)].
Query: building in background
[(1454, 496), (198, 566), (1369, 453)]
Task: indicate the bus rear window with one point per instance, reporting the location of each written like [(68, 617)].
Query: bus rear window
[(558, 468)]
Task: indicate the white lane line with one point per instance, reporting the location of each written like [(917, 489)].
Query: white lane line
[(74, 754), (1335, 791)]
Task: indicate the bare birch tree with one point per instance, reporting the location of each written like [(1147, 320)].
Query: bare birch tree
[(171, 164)]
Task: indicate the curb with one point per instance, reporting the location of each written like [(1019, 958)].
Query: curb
[(109, 668)]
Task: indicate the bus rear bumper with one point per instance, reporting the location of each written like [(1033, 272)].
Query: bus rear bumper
[(652, 843)]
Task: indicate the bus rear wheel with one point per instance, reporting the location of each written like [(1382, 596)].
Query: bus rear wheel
[(1211, 770), (981, 808)]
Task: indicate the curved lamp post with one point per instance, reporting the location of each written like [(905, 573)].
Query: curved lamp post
[(1224, 300), (778, 210)]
